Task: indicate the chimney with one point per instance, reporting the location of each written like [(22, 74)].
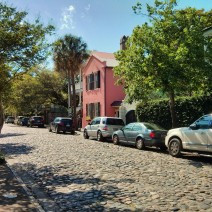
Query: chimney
[(123, 42)]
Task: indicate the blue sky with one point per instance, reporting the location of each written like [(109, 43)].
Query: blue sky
[(100, 23)]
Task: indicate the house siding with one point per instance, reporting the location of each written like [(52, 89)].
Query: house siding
[(106, 94)]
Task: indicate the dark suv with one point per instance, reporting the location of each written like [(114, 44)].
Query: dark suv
[(64, 124), (36, 121)]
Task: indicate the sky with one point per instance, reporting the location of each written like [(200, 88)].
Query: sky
[(100, 23)]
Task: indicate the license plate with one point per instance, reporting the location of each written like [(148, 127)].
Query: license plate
[(68, 125)]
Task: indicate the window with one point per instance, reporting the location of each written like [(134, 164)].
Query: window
[(204, 122), (93, 81), (93, 110), (137, 127)]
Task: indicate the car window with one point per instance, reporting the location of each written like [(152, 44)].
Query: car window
[(66, 121), (98, 120), (204, 122), (137, 127), (93, 122), (56, 120), (128, 127), (111, 121), (152, 126)]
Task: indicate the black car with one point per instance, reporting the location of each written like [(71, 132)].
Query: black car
[(141, 134), (24, 121), (62, 124), (35, 121)]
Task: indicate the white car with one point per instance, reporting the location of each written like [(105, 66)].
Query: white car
[(197, 137)]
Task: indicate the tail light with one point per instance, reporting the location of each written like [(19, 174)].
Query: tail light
[(105, 128), (152, 135)]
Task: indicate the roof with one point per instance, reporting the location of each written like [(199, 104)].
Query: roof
[(116, 104), (109, 58)]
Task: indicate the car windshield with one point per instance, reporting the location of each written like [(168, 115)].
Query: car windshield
[(37, 118), (152, 126), (111, 121), (66, 121)]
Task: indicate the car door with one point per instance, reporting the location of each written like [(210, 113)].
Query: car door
[(132, 135), (127, 133), (91, 127), (197, 135), (54, 123)]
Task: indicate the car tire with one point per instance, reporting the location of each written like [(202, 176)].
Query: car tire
[(175, 147), (57, 130), (99, 136), (85, 134), (50, 129), (116, 140), (139, 143)]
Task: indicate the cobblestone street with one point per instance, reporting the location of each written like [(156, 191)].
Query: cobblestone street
[(87, 175)]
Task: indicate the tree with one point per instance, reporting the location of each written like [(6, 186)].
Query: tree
[(167, 54), (22, 45), (39, 87), (70, 53)]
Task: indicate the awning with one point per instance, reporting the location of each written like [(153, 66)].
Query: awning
[(116, 104)]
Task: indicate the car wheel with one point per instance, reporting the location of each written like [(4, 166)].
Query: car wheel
[(50, 129), (99, 136), (57, 130), (85, 134), (175, 147), (116, 139), (139, 143)]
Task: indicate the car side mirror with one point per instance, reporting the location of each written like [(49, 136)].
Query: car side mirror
[(194, 126)]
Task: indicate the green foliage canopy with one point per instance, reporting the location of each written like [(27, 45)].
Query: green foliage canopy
[(22, 44), (168, 54)]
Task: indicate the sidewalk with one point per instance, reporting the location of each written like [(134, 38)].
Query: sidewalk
[(13, 196)]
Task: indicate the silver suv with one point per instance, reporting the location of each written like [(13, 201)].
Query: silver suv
[(197, 137), (102, 127)]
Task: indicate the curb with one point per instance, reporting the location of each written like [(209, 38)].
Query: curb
[(23, 185), (39, 198)]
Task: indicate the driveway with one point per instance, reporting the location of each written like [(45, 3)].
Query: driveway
[(68, 173)]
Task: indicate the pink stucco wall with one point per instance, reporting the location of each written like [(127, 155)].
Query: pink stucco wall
[(106, 94)]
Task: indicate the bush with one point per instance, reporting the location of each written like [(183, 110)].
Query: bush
[(188, 109)]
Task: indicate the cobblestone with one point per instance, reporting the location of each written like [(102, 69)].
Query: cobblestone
[(86, 175)]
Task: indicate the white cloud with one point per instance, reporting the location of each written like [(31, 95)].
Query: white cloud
[(67, 21), (86, 10)]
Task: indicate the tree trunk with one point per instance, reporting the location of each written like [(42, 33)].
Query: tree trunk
[(69, 91), (74, 100), (1, 115), (172, 109)]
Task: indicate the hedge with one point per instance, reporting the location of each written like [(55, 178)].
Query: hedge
[(188, 109)]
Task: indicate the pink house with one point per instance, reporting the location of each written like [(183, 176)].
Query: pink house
[(101, 95)]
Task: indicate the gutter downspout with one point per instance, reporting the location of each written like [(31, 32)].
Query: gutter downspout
[(105, 89)]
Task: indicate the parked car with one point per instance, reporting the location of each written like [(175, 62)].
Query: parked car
[(24, 121), (102, 127), (18, 120), (141, 135), (10, 119), (64, 124), (197, 137), (35, 121)]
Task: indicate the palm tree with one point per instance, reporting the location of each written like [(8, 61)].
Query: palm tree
[(70, 53)]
